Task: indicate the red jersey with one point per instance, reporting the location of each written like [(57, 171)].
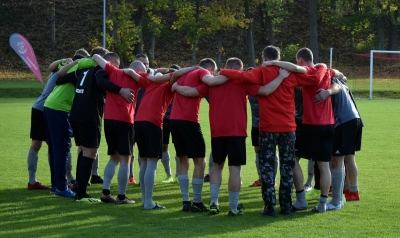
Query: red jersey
[(116, 107), (228, 108), (276, 109), (187, 108), (155, 101), (322, 113)]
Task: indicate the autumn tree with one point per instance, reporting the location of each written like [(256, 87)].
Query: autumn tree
[(250, 39), (124, 32), (153, 22), (53, 25), (313, 21), (147, 12), (219, 18), (272, 12), (191, 22), (390, 8)]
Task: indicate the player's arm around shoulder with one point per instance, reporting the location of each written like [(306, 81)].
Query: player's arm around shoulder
[(211, 80), (67, 67), (186, 91), (181, 72), (54, 66), (323, 94), (274, 84), (160, 78), (132, 74), (67, 78), (285, 65), (100, 61)]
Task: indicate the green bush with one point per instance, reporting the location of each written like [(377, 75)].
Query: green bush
[(289, 52), (367, 45)]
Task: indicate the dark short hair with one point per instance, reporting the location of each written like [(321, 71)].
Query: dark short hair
[(141, 55), (234, 63), (271, 52), (111, 56), (99, 50), (305, 54), (78, 57), (170, 70), (175, 66), (208, 63)]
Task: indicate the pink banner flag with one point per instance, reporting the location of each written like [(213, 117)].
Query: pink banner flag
[(22, 47)]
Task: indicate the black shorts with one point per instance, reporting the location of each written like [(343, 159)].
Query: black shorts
[(188, 139), (232, 146), (119, 137), (315, 142), (301, 136), (86, 135), (166, 131), (148, 139), (38, 126), (347, 138), (255, 132)]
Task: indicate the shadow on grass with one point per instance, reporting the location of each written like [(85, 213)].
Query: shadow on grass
[(37, 213)]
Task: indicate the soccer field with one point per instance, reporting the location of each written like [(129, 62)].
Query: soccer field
[(37, 214)]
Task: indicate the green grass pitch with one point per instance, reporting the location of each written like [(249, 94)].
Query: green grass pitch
[(37, 214)]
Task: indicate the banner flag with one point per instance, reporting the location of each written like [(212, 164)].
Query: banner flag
[(22, 47)]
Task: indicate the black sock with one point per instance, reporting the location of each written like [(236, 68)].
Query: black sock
[(121, 197), (106, 192), (317, 176), (84, 171), (300, 191), (79, 159)]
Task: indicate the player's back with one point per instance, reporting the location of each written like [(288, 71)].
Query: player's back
[(344, 109), (155, 101), (187, 108), (88, 104), (322, 113), (117, 107), (277, 108), (228, 109)]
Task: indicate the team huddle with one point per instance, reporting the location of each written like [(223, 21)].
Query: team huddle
[(305, 110)]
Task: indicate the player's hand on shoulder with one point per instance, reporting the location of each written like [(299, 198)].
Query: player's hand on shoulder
[(128, 71), (284, 72), (321, 96), (174, 86), (67, 60), (127, 93)]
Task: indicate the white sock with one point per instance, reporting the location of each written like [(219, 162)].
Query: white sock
[(197, 185), (214, 193), (123, 176), (32, 165), (149, 178), (109, 172), (184, 185), (95, 166), (165, 160), (233, 200), (142, 171)]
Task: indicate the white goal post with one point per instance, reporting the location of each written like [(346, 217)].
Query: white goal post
[(371, 67)]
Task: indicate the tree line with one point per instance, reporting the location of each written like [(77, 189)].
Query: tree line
[(135, 26)]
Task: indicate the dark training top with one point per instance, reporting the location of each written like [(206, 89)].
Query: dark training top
[(90, 93)]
